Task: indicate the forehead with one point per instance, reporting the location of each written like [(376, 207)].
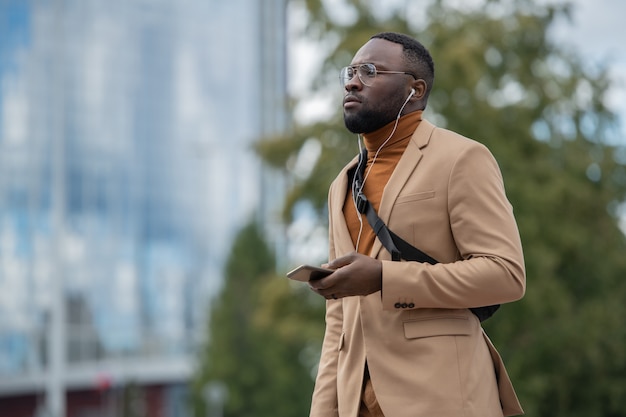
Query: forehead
[(379, 51)]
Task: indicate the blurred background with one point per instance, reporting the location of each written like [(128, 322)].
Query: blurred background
[(164, 162)]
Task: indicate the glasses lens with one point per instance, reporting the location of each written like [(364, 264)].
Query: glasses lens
[(365, 72), (346, 75)]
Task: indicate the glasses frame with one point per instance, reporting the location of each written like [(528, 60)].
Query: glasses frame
[(343, 80)]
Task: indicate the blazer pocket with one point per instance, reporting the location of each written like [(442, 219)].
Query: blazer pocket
[(415, 197), (445, 326)]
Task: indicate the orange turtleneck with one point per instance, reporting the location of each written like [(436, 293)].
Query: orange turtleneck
[(379, 173)]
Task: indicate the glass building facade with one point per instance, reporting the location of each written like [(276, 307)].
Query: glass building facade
[(125, 170)]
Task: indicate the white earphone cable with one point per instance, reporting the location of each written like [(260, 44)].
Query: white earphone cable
[(358, 213)]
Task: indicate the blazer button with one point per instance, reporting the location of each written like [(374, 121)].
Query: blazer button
[(397, 305), (411, 305), (404, 305)]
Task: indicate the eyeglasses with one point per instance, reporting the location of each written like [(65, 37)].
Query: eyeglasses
[(366, 73)]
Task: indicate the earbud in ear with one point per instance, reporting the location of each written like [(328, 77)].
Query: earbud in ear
[(412, 91)]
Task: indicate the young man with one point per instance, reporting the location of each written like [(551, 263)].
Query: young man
[(400, 339)]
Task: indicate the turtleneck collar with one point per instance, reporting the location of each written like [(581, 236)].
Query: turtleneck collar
[(406, 126)]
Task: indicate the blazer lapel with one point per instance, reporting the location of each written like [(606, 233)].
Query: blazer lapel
[(406, 166), (342, 240)]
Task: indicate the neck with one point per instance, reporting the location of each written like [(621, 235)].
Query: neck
[(406, 125)]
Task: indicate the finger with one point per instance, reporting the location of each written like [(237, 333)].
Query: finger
[(321, 291), (331, 296), (341, 261), (323, 283), (324, 293)]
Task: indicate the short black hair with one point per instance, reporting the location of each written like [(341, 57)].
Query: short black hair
[(416, 55)]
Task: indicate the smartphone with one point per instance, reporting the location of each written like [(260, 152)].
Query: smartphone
[(305, 273)]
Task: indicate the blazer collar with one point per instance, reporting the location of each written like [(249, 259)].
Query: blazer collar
[(337, 198)]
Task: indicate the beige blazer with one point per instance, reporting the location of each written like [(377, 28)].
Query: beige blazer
[(427, 353)]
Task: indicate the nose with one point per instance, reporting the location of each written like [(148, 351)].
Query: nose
[(354, 83)]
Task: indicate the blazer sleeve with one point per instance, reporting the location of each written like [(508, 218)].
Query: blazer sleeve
[(491, 268)]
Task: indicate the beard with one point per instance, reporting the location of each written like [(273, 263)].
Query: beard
[(369, 119)]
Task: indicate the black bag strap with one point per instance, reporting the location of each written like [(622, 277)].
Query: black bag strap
[(395, 245)]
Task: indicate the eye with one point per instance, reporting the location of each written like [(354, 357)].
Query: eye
[(368, 70)]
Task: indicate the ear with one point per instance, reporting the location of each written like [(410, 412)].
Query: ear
[(420, 88)]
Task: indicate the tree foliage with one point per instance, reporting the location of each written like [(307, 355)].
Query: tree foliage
[(540, 108), (263, 338)]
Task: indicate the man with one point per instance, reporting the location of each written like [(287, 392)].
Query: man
[(400, 339)]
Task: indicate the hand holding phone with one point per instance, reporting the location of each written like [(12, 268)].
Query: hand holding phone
[(305, 273)]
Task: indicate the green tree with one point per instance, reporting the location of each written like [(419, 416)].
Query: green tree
[(262, 338), (541, 109)]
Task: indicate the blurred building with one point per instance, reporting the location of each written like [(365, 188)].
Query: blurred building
[(125, 170)]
